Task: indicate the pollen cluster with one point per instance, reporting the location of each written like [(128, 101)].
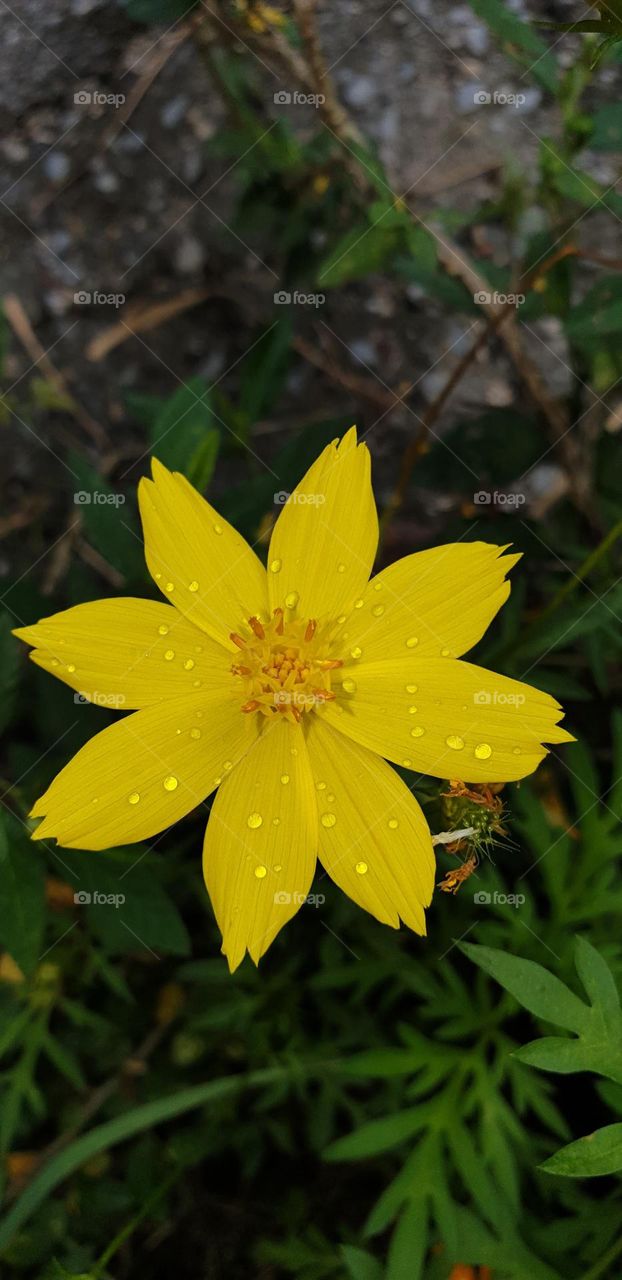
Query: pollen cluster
[(284, 667)]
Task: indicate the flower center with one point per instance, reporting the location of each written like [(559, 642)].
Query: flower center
[(284, 667)]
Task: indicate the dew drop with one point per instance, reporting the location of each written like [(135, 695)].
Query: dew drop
[(163, 630), (407, 763), (417, 732), (169, 655), (254, 820), (188, 664), (276, 822), (169, 586), (356, 651), (278, 866), (196, 684), (293, 751), (134, 798), (330, 799), (54, 662), (261, 871), (227, 766), (455, 742), (412, 641), (275, 566), (218, 529), (393, 823), (71, 668), (158, 576), (361, 868), (378, 610), (170, 782), (412, 711), (341, 620), (341, 568), (377, 586), (445, 653), (195, 733), (193, 586), (483, 751), (412, 688), (292, 599), (284, 778), (328, 819), (348, 685), (515, 751), (358, 604), (321, 786)]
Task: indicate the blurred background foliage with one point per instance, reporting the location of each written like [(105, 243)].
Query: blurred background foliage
[(368, 1104)]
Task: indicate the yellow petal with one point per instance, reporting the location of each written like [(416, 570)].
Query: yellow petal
[(145, 772), (433, 603), (373, 838), (127, 653), (325, 539), (260, 844), (447, 718), (198, 560)]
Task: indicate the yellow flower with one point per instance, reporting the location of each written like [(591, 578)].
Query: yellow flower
[(288, 686)]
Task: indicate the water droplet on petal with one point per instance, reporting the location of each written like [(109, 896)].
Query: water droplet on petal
[(321, 786), (195, 733), (193, 586), (158, 576), (261, 871), (356, 651), (455, 742), (169, 655), (358, 604), (348, 685), (412, 641), (254, 820), (134, 798), (218, 529), (278, 866), (407, 763), (377, 586), (275, 823), (330, 799), (328, 819), (169, 586), (412, 688), (284, 778), (378, 610), (170, 783), (292, 599), (54, 662), (412, 711), (361, 868), (341, 619), (71, 668), (483, 751), (188, 664), (341, 568), (445, 653), (417, 732), (393, 823), (196, 684), (163, 630), (227, 766), (276, 566), (515, 751)]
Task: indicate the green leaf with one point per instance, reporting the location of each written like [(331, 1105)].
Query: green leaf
[(124, 903), (22, 896), (519, 40), (361, 251), (606, 132), (534, 987), (184, 436), (378, 1135), (109, 521), (359, 1264), (589, 1157), (600, 312), (409, 1243)]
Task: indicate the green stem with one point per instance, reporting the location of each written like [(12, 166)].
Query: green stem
[(126, 1231), (584, 570), (601, 1267)]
